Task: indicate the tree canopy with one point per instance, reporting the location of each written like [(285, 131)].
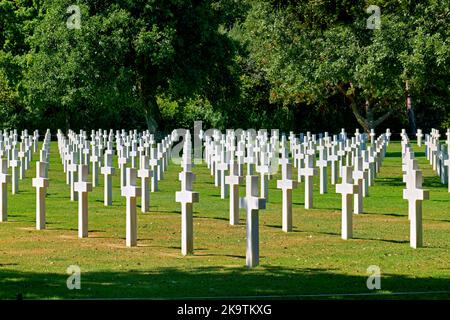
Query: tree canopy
[(286, 64)]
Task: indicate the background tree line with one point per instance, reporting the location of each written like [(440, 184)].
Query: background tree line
[(294, 65)]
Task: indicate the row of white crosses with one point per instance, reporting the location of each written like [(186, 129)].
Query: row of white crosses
[(78, 153), (253, 151), (187, 197), (17, 159), (41, 181), (261, 153), (354, 186), (19, 154), (414, 193), (438, 154), (221, 155), (154, 160)]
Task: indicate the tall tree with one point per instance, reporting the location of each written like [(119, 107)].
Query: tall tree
[(125, 53), (16, 24), (313, 50)]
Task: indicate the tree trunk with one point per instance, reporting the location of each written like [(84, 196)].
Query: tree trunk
[(150, 106), (152, 113), (361, 120), (367, 123)]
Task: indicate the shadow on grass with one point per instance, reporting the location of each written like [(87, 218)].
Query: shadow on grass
[(384, 240), (399, 215), (396, 154), (215, 282), (279, 226), (428, 182), (433, 182), (214, 218), (390, 181), (419, 154)]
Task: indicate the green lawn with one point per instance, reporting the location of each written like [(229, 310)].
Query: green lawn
[(312, 260)]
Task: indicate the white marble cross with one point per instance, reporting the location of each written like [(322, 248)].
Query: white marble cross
[(359, 178), (250, 159), (240, 154), (419, 136), (252, 204), (372, 135), (222, 167), (41, 184), (162, 156), (447, 164), (154, 164), (415, 195), (43, 157), (347, 189), (187, 197), (286, 184), (448, 137), (133, 154), (86, 155), (15, 163), (264, 170), (234, 180), (5, 178), (145, 174), (333, 158), (322, 163), (22, 158), (131, 191), (72, 168), (300, 157), (308, 172), (83, 187), (95, 159), (122, 162), (107, 170)]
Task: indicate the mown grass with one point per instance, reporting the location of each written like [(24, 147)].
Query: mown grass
[(312, 261)]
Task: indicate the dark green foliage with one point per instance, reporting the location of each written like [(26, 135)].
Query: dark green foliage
[(295, 65)]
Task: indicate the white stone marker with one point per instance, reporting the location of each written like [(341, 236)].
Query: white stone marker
[(15, 163), (154, 164), (122, 162), (83, 187), (250, 159), (308, 172), (322, 163), (286, 184), (131, 192), (222, 167), (187, 197), (43, 157), (41, 184), (72, 168), (145, 174), (334, 162), (95, 159), (22, 157), (419, 136), (264, 170), (5, 178), (359, 178), (234, 180), (347, 189), (108, 171), (252, 204), (415, 195), (447, 164)]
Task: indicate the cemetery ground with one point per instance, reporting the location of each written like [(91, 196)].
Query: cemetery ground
[(310, 262)]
